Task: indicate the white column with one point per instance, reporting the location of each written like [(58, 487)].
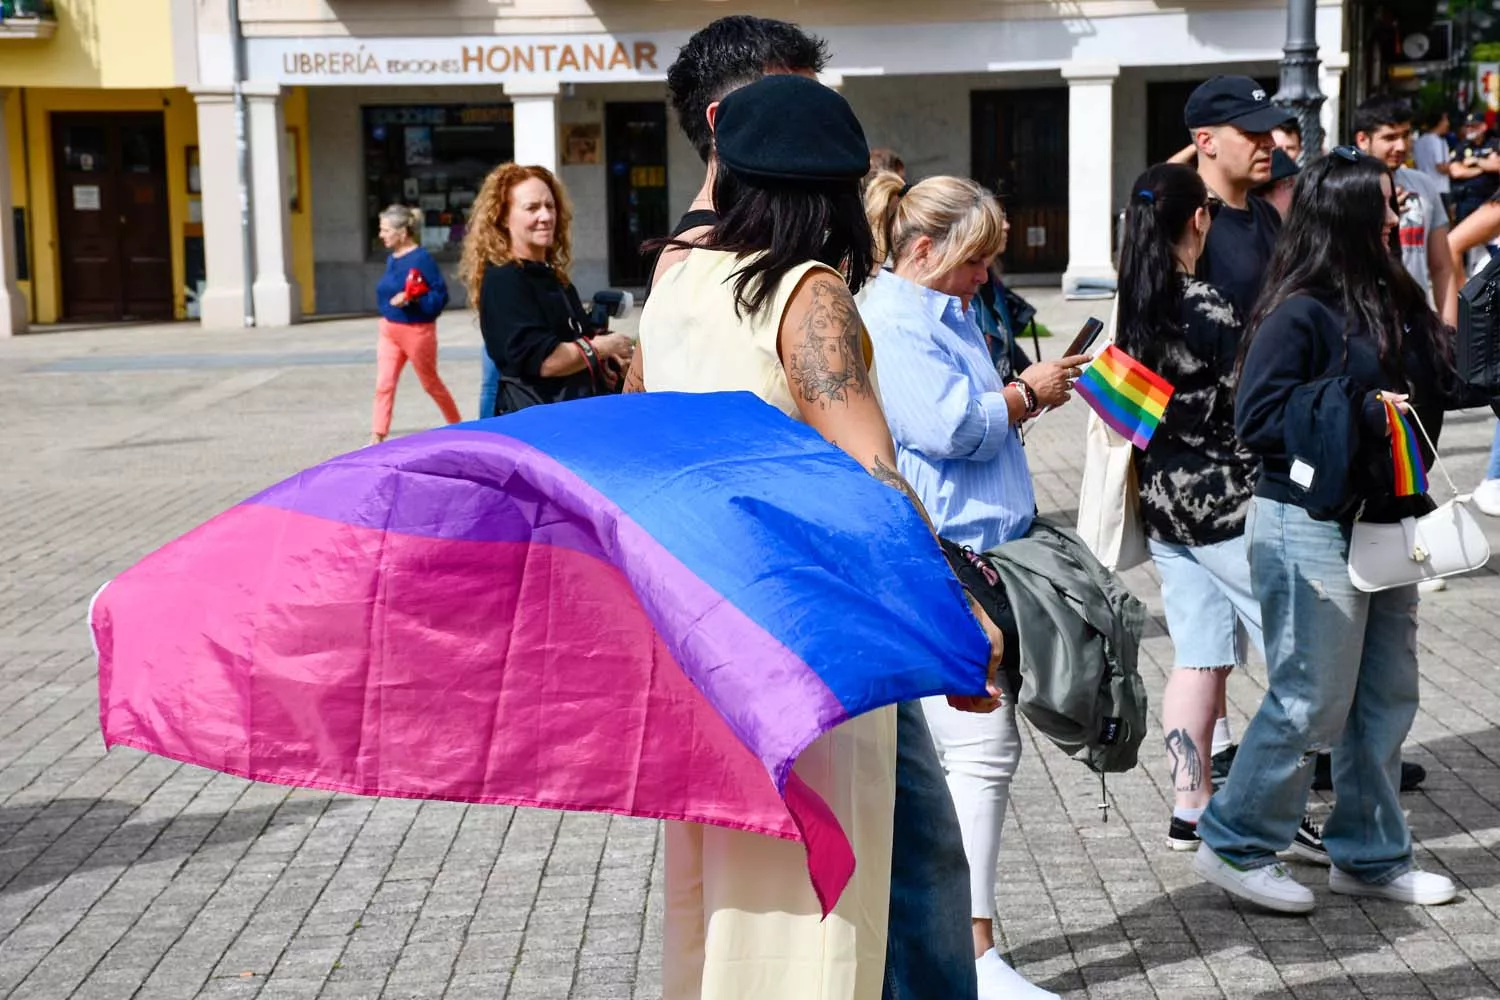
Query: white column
[(534, 121), (12, 302), (1332, 83), (1091, 120), (222, 306), (278, 301)]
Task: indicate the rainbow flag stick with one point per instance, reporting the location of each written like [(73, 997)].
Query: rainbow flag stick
[(1128, 396), (1406, 457)]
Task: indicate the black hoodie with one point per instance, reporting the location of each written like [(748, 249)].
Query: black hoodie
[(1307, 399)]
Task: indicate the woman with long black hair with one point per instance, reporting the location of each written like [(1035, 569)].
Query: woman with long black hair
[(763, 303), (1195, 479), (1341, 329)]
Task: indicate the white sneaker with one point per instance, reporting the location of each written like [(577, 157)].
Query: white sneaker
[(1432, 586), (998, 981), (1487, 497), (1270, 886), (1422, 888)]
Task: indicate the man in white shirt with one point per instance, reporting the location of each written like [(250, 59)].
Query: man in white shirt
[(1382, 129), (1431, 153)]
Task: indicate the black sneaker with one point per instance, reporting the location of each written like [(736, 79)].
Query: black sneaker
[(1412, 775), (1308, 843), (1182, 835), (1219, 764)]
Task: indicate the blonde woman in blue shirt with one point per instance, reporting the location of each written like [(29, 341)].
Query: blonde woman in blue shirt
[(954, 421)]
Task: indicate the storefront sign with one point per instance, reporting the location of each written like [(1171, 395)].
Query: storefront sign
[(86, 197), (566, 58)]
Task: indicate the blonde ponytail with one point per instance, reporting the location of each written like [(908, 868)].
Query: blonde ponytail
[(882, 202), (962, 219), (404, 217)]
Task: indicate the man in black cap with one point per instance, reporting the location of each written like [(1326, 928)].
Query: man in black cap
[(1230, 119), (1474, 168)]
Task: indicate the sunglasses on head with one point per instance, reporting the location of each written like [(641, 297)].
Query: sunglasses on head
[(1349, 154)]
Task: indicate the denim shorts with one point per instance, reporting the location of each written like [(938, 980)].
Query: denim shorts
[(1212, 614)]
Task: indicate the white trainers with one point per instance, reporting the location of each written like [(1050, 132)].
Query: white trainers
[(1422, 888), (1432, 586), (1487, 497), (1270, 886), (998, 981)]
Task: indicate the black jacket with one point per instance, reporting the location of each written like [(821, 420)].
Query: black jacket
[(524, 313), (1307, 399)]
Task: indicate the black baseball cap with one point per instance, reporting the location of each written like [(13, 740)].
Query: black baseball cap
[(1233, 100), (1474, 118)]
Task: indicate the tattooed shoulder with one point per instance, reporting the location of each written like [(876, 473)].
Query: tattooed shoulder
[(826, 364)]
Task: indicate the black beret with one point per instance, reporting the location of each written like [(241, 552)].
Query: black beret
[(790, 128)]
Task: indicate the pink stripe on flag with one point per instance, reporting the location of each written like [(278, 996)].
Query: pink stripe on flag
[(511, 673)]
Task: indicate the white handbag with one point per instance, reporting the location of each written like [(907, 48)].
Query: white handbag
[(1445, 542), (1109, 516)]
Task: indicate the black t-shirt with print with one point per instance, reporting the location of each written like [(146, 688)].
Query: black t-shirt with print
[(1195, 478), (1238, 252)]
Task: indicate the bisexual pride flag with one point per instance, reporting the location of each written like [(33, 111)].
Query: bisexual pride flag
[(1129, 397), (645, 604)]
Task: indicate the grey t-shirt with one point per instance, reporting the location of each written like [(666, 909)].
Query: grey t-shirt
[(1424, 213)]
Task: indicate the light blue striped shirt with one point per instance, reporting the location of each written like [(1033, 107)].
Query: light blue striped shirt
[(942, 396)]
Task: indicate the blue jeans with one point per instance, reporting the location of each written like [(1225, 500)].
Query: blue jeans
[(929, 948), (1493, 472), (1341, 667), (489, 388)]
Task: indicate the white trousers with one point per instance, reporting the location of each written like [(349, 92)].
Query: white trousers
[(979, 755)]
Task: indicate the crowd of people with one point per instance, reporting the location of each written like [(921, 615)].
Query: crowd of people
[(1286, 304)]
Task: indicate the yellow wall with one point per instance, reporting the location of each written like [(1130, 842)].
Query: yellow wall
[(301, 219), (36, 192), (98, 43)]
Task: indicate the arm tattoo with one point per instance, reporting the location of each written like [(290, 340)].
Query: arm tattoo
[(885, 474), (1187, 769), (634, 380), (828, 363)]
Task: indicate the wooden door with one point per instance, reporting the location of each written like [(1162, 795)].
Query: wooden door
[(1020, 151), (113, 225), (635, 148)]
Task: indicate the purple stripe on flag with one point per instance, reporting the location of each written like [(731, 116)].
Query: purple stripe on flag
[(775, 703)]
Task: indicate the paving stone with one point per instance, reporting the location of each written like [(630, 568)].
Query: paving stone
[(124, 873)]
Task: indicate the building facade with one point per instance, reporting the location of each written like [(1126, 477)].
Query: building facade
[(355, 104)]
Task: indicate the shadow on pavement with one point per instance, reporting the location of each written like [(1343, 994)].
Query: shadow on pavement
[(44, 846)]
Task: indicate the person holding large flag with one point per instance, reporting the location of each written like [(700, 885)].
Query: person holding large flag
[(761, 305)]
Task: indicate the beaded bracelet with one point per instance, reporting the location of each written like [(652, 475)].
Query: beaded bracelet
[(1028, 395)]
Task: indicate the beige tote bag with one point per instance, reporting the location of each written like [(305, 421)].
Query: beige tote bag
[(1109, 516)]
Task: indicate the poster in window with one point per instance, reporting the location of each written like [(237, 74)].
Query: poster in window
[(581, 143), (418, 145)]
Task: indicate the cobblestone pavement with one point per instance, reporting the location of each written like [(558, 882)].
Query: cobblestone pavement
[(124, 875)]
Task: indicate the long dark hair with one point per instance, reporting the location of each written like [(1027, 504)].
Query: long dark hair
[(1331, 247), (1163, 202), (788, 224)]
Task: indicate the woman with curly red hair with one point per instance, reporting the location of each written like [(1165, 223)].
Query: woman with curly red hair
[(515, 263)]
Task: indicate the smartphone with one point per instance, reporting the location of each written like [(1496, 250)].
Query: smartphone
[(1085, 338)]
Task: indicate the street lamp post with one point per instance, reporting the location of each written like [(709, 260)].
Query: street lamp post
[(1299, 91)]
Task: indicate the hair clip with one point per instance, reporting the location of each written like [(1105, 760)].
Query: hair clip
[(1146, 195)]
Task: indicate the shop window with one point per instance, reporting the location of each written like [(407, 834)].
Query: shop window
[(432, 157)]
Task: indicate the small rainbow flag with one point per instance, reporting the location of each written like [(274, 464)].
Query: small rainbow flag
[(1127, 395), (1411, 475)]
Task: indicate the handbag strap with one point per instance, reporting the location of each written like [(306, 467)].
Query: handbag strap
[(1437, 460)]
